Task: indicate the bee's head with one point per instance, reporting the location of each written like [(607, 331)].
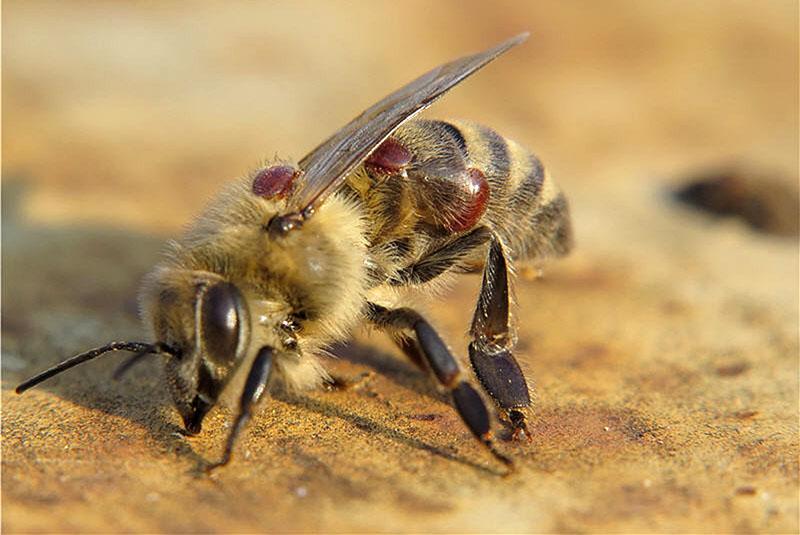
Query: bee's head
[(201, 324), (206, 320)]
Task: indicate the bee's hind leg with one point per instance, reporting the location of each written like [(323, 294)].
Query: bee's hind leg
[(427, 348), (490, 351)]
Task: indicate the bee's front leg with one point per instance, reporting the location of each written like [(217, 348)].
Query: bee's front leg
[(427, 347), (254, 388), (490, 351)]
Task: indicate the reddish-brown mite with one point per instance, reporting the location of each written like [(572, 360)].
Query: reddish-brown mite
[(390, 157), (476, 198), (275, 181)]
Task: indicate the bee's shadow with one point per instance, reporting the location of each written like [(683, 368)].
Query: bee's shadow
[(324, 408)]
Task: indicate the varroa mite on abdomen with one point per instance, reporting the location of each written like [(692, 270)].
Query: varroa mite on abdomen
[(457, 184), (292, 257)]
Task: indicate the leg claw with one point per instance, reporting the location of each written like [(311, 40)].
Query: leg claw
[(519, 426)]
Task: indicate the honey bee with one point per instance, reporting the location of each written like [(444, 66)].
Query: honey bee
[(292, 257)]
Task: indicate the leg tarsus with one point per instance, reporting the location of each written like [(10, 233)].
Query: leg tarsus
[(470, 406), (490, 351), (241, 421), (519, 425), (428, 346), (254, 389)]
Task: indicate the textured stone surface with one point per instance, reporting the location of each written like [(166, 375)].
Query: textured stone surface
[(664, 351)]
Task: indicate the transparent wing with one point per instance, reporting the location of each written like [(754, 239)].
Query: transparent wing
[(327, 166)]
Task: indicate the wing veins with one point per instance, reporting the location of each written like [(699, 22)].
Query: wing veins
[(326, 167)]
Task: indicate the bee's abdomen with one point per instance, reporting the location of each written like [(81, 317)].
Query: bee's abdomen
[(525, 207), (430, 208)]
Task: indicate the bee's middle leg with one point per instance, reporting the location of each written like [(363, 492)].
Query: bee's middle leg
[(427, 347), (490, 351)]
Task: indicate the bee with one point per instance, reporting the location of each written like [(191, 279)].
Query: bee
[(292, 257)]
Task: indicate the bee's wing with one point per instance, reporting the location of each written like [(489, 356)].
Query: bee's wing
[(327, 166)]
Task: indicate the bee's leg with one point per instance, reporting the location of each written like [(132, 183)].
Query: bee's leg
[(253, 391), (337, 382), (448, 256), (490, 349), (432, 350)]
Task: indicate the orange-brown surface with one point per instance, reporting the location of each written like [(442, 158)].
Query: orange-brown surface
[(664, 351)]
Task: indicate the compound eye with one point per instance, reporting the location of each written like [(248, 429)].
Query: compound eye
[(220, 322)]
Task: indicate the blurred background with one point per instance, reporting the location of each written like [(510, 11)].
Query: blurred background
[(120, 119), (151, 105)]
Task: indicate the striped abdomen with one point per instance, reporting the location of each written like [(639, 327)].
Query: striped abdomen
[(445, 186), (526, 208)]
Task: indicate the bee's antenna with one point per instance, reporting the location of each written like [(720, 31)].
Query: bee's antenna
[(142, 348)]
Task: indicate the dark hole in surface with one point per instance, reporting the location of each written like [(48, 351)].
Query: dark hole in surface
[(767, 203)]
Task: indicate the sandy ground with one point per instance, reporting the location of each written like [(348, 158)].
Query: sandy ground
[(664, 351)]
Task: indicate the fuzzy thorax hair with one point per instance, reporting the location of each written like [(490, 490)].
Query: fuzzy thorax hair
[(316, 274)]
